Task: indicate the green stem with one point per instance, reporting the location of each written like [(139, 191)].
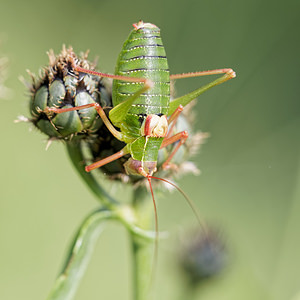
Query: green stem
[(79, 255), (142, 268), (142, 249), (83, 245), (136, 218)]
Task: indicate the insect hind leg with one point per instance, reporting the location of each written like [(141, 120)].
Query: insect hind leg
[(184, 100)]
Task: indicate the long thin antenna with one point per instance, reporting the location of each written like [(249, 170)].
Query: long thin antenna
[(156, 233), (189, 201)]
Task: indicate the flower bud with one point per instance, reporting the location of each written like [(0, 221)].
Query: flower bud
[(60, 86)]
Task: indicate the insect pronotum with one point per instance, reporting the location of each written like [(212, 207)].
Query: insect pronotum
[(141, 98)]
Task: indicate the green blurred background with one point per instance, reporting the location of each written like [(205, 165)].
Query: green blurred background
[(249, 184)]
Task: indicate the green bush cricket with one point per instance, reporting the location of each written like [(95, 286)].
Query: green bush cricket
[(141, 99), (141, 103)]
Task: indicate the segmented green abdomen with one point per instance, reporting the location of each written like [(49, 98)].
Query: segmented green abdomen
[(143, 55)]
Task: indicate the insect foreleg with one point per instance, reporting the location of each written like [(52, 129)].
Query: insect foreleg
[(181, 137), (184, 100), (98, 108), (107, 160)]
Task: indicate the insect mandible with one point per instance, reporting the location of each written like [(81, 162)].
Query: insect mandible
[(141, 98)]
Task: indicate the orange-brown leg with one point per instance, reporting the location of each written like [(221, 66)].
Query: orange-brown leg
[(106, 160), (98, 108), (173, 119), (112, 76), (229, 72), (181, 137), (184, 100)]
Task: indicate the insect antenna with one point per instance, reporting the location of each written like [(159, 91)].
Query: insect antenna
[(191, 204), (156, 232), (187, 198)]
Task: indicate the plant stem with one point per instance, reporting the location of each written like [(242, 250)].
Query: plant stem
[(83, 245), (142, 268), (79, 255), (137, 220), (142, 249)]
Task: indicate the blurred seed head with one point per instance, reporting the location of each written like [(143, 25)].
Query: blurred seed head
[(202, 255)]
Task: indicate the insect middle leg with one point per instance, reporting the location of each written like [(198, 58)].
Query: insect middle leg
[(98, 108), (181, 137), (173, 119), (106, 160)]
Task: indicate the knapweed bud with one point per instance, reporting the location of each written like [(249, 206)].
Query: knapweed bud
[(60, 86), (203, 255)]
